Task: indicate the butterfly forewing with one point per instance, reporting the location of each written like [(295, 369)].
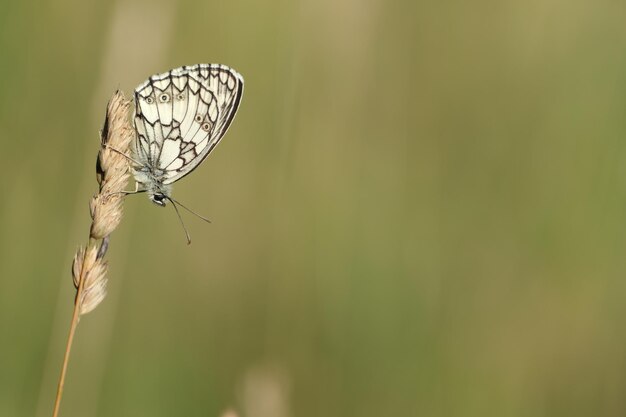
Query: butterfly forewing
[(182, 115)]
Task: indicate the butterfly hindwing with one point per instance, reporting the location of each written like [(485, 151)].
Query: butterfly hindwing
[(182, 115)]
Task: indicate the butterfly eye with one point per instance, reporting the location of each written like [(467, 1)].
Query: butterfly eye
[(206, 126), (198, 118), (164, 98), (180, 96), (149, 100)]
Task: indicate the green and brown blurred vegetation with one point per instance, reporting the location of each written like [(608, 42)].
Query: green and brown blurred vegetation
[(420, 210)]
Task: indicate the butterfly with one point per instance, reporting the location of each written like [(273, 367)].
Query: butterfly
[(180, 117)]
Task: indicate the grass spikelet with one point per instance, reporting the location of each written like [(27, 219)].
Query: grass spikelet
[(89, 267)]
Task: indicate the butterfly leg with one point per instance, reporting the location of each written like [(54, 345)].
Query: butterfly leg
[(135, 191), (123, 154), (125, 193)]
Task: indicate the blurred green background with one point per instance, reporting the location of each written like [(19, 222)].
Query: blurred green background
[(418, 211)]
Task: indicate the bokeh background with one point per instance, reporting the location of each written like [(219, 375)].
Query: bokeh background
[(420, 210)]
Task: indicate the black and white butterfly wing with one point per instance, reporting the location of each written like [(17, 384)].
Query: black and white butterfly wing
[(182, 115)]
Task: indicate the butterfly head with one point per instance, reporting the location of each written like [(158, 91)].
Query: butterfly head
[(158, 199), (158, 193)]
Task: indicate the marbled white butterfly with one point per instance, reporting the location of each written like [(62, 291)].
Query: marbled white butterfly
[(180, 116)]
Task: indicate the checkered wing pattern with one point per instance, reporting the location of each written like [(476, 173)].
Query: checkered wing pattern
[(182, 115)]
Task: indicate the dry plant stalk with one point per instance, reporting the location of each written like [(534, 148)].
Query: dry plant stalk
[(89, 268)]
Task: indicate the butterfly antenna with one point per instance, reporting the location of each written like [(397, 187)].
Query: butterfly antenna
[(181, 220), (190, 210)]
